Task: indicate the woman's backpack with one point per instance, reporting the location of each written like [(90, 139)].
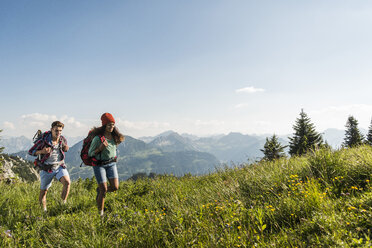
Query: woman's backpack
[(90, 161)]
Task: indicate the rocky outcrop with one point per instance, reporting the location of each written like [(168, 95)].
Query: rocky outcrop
[(15, 168)]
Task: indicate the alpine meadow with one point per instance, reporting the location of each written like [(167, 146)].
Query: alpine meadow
[(322, 199)]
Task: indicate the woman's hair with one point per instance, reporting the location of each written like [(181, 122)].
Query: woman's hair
[(118, 137)]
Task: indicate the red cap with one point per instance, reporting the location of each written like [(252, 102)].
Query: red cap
[(107, 118)]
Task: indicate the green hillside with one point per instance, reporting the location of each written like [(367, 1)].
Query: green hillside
[(321, 200), (135, 156)]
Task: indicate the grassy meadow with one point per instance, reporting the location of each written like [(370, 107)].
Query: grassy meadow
[(323, 199)]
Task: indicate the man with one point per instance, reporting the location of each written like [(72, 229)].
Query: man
[(50, 151)]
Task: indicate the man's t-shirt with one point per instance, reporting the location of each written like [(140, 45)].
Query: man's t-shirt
[(55, 157)]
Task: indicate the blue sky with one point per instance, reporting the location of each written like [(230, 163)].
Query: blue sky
[(199, 67)]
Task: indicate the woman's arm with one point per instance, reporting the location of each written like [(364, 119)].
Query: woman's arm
[(93, 147)]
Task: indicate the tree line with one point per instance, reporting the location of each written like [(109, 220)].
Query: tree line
[(305, 138)]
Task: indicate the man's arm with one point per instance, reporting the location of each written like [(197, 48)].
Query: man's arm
[(45, 150), (35, 148), (38, 148)]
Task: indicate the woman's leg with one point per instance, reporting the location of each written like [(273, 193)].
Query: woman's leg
[(114, 185), (112, 174), (100, 174), (102, 187)]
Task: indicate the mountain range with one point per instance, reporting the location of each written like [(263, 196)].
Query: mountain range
[(173, 153), (21, 143)]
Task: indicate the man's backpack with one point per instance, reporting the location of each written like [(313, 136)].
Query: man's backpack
[(90, 161), (38, 136)]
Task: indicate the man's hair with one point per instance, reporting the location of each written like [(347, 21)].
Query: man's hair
[(58, 124)]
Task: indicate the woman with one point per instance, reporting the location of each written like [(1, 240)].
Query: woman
[(103, 148)]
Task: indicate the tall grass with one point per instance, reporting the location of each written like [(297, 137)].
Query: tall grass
[(323, 199)]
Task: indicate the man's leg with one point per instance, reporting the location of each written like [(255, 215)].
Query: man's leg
[(42, 198), (45, 182), (65, 180)]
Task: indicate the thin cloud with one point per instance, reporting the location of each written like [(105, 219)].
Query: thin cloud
[(38, 117), (141, 128), (249, 90), (345, 109), (241, 105), (336, 116), (71, 121), (30, 123), (141, 125), (8, 125), (208, 123), (42, 120)]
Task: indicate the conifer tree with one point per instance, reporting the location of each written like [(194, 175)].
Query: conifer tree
[(273, 149), (305, 137), (369, 135), (1, 150), (353, 136)]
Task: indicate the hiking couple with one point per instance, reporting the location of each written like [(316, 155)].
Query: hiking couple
[(50, 151)]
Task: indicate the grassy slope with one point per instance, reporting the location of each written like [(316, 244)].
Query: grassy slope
[(322, 200)]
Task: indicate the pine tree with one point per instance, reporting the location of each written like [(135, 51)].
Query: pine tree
[(353, 136), (273, 149), (1, 150), (305, 137), (369, 135)]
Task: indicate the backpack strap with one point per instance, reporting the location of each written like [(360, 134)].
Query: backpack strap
[(43, 137), (103, 139)]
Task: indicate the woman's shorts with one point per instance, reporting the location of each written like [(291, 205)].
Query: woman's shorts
[(105, 171), (46, 178)]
